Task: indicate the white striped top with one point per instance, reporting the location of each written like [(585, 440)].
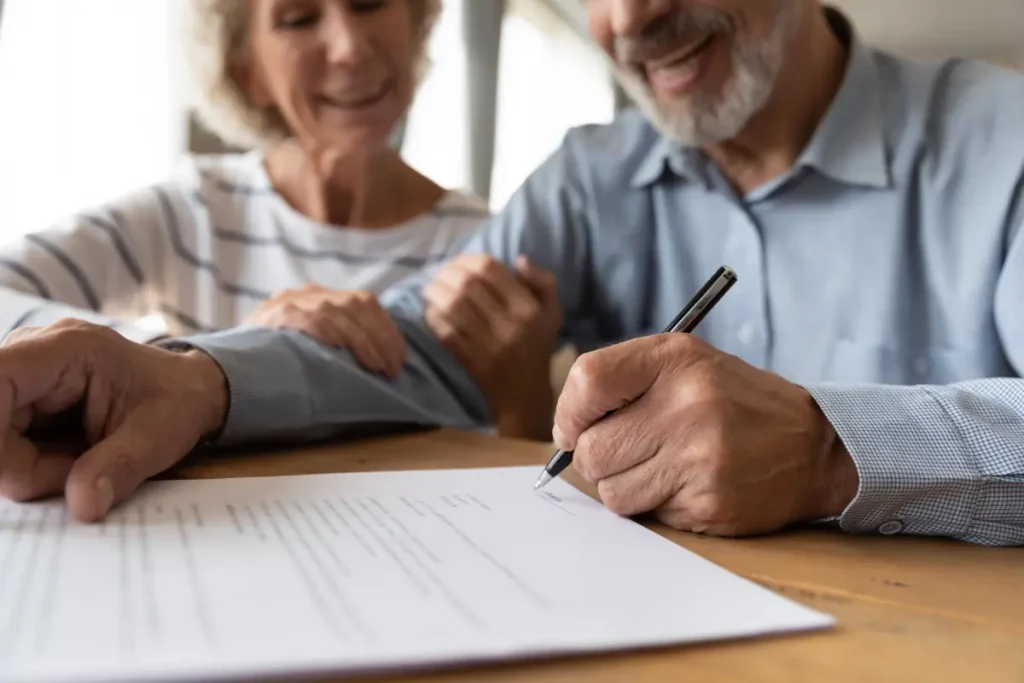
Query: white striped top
[(203, 249)]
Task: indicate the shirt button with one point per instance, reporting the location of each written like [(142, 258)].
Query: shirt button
[(890, 528), (746, 333)]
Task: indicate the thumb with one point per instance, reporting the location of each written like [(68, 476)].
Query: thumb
[(111, 471), (542, 283), (603, 381)]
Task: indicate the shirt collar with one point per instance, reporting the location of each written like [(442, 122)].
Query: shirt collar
[(849, 144), (683, 162)]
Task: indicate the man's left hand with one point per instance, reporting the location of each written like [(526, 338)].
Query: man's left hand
[(707, 442), (142, 409)]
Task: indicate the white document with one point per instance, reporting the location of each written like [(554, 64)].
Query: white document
[(351, 573)]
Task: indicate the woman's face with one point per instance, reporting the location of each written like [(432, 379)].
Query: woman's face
[(340, 73)]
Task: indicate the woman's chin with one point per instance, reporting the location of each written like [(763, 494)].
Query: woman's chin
[(352, 141), (369, 133)]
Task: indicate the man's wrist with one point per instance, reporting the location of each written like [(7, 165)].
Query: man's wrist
[(836, 481), (209, 388), (215, 390)]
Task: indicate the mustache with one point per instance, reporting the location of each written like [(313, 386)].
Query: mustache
[(670, 30)]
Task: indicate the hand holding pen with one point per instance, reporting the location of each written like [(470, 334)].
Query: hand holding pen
[(687, 319)]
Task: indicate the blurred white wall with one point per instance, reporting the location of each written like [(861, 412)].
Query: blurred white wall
[(89, 105), (982, 29)]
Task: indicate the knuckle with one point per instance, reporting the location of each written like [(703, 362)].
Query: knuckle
[(582, 464), (466, 280), (323, 308), (505, 339), (682, 345), (82, 334), (74, 328), (676, 519), (615, 497), (429, 293), (709, 510), (584, 375), (467, 260), (474, 262), (435, 297), (490, 268), (445, 333), (592, 459), (21, 334), (677, 344), (68, 324), (585, 444), (704, 397), (530, 311)]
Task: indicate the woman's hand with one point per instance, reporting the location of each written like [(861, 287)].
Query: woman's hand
[(353, 320), (503, 327)]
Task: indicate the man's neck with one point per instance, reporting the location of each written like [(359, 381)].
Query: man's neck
[(774, 138)]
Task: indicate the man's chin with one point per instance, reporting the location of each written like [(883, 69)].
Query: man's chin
[(677, 126), (698, 124), (673, 120)]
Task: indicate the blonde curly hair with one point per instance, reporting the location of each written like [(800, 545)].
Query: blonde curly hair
[(214, 33)]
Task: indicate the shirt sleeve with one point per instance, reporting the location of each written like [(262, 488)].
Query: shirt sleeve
[(99, 266), (283, 385), (939, 461), (942, 460)]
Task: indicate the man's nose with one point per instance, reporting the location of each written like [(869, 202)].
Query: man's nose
[(629, 17)]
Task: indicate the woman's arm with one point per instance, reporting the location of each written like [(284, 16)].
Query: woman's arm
[(100, 265)]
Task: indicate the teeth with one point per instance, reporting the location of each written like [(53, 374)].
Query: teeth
[(682, 55), (355, 99), (682, 69)]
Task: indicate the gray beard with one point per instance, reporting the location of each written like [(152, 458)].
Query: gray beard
[(709, 118)]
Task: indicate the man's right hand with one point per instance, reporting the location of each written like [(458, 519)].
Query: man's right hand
[(143, 409)]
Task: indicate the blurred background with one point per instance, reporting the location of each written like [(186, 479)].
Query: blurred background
[(91, 98)]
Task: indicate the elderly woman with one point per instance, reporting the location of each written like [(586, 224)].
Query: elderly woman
[(305, 230), (323, 202)]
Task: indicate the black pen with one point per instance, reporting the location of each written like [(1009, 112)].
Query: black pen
[(699, 306)]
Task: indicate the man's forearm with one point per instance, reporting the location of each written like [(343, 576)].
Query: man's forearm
[(283, 386), (945, 461)]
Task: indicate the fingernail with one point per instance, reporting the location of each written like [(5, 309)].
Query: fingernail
[(104, 496)]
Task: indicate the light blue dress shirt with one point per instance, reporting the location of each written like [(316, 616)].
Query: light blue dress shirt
[(884, 272)]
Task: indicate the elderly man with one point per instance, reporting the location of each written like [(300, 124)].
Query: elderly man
[(865, 370)]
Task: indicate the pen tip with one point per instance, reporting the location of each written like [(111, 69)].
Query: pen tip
[(542, 480)]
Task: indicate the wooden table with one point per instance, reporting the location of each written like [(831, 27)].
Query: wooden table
[(908, 609)]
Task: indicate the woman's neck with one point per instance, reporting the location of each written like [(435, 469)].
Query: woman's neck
[(364, 190)]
